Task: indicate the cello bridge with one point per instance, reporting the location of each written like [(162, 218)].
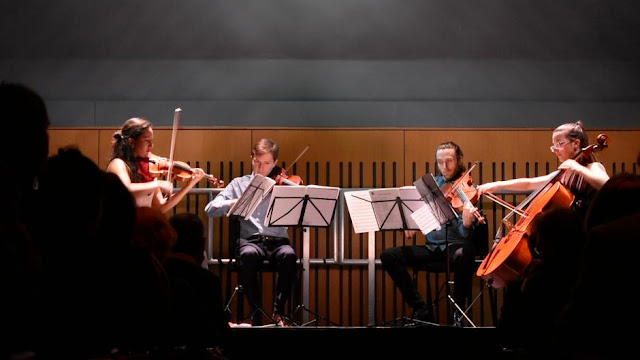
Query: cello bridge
[(507, 224)]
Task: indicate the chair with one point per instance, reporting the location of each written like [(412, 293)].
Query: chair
[(238, 293), (434, 292)]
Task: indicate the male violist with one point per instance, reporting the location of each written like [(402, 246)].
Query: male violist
[(458, 235)]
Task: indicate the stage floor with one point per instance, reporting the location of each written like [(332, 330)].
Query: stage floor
[(313, 342)]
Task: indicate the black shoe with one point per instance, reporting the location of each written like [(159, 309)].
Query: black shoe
[(423, 314), (280, 320), (457, 319)]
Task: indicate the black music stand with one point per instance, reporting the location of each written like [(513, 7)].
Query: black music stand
[(383, 209), (303, 206), (393, 206), (443, 214)]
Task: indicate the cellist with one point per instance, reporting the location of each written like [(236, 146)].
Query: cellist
[(582, 178), (533, 301)]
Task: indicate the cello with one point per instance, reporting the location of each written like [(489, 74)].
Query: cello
[(511, 255)]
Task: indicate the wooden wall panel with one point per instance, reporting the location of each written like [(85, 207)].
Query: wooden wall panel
[(339, 146), (87, 140), (334, 146)]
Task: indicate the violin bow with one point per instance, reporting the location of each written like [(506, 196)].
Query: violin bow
[(174, 133), (298, 158), (471, 168)]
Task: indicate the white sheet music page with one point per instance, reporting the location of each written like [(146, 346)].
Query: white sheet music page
[(425, 219), (411, 202), (285, 206), (386, 209), (361, 211), (256, 191), (321, 205)]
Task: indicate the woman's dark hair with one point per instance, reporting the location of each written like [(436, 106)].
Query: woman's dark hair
[(123, 148)]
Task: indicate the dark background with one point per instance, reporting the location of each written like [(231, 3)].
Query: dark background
[(335, 63)]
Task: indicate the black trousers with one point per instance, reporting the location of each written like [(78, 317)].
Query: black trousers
[(251, 254), (396, 261)]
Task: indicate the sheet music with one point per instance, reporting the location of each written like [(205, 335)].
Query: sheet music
[(387, 214), (427, 222), (289, 207), (311, 205), (433, 197), (361, 211), (412, 201), (323, 200), (256, 191), (391, 213)]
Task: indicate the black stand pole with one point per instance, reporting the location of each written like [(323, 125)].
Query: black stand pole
[(301, 306), (448, 270), (457, 321)]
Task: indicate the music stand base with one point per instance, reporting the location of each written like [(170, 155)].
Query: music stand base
[(409, 321), (463, 314), (255, 308), (318, 317)]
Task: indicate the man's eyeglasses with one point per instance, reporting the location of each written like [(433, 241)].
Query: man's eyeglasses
[(557, 145)]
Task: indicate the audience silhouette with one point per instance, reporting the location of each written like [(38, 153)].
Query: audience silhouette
[(23, 115), (529, 313), (198, 315), (602, 308), (85, 239)]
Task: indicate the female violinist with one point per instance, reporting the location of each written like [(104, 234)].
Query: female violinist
[(130, 160), (582, 176), (458, 234)]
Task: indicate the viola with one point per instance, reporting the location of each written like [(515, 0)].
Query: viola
[(282, 178), (159, 166), (511, 255), (461, 192)]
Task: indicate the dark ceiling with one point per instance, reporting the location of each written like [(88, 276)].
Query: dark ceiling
[(322, 29)]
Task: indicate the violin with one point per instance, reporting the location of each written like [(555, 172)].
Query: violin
[(159, 166), (282, 178), (461, 192)]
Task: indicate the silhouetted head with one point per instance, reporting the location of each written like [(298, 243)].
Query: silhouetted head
[(24, 118), (190, 230)]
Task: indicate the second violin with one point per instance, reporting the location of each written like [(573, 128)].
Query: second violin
[(282, 178)]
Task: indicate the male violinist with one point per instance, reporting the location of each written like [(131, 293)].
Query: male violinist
[(257, 241), (458, 234)]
